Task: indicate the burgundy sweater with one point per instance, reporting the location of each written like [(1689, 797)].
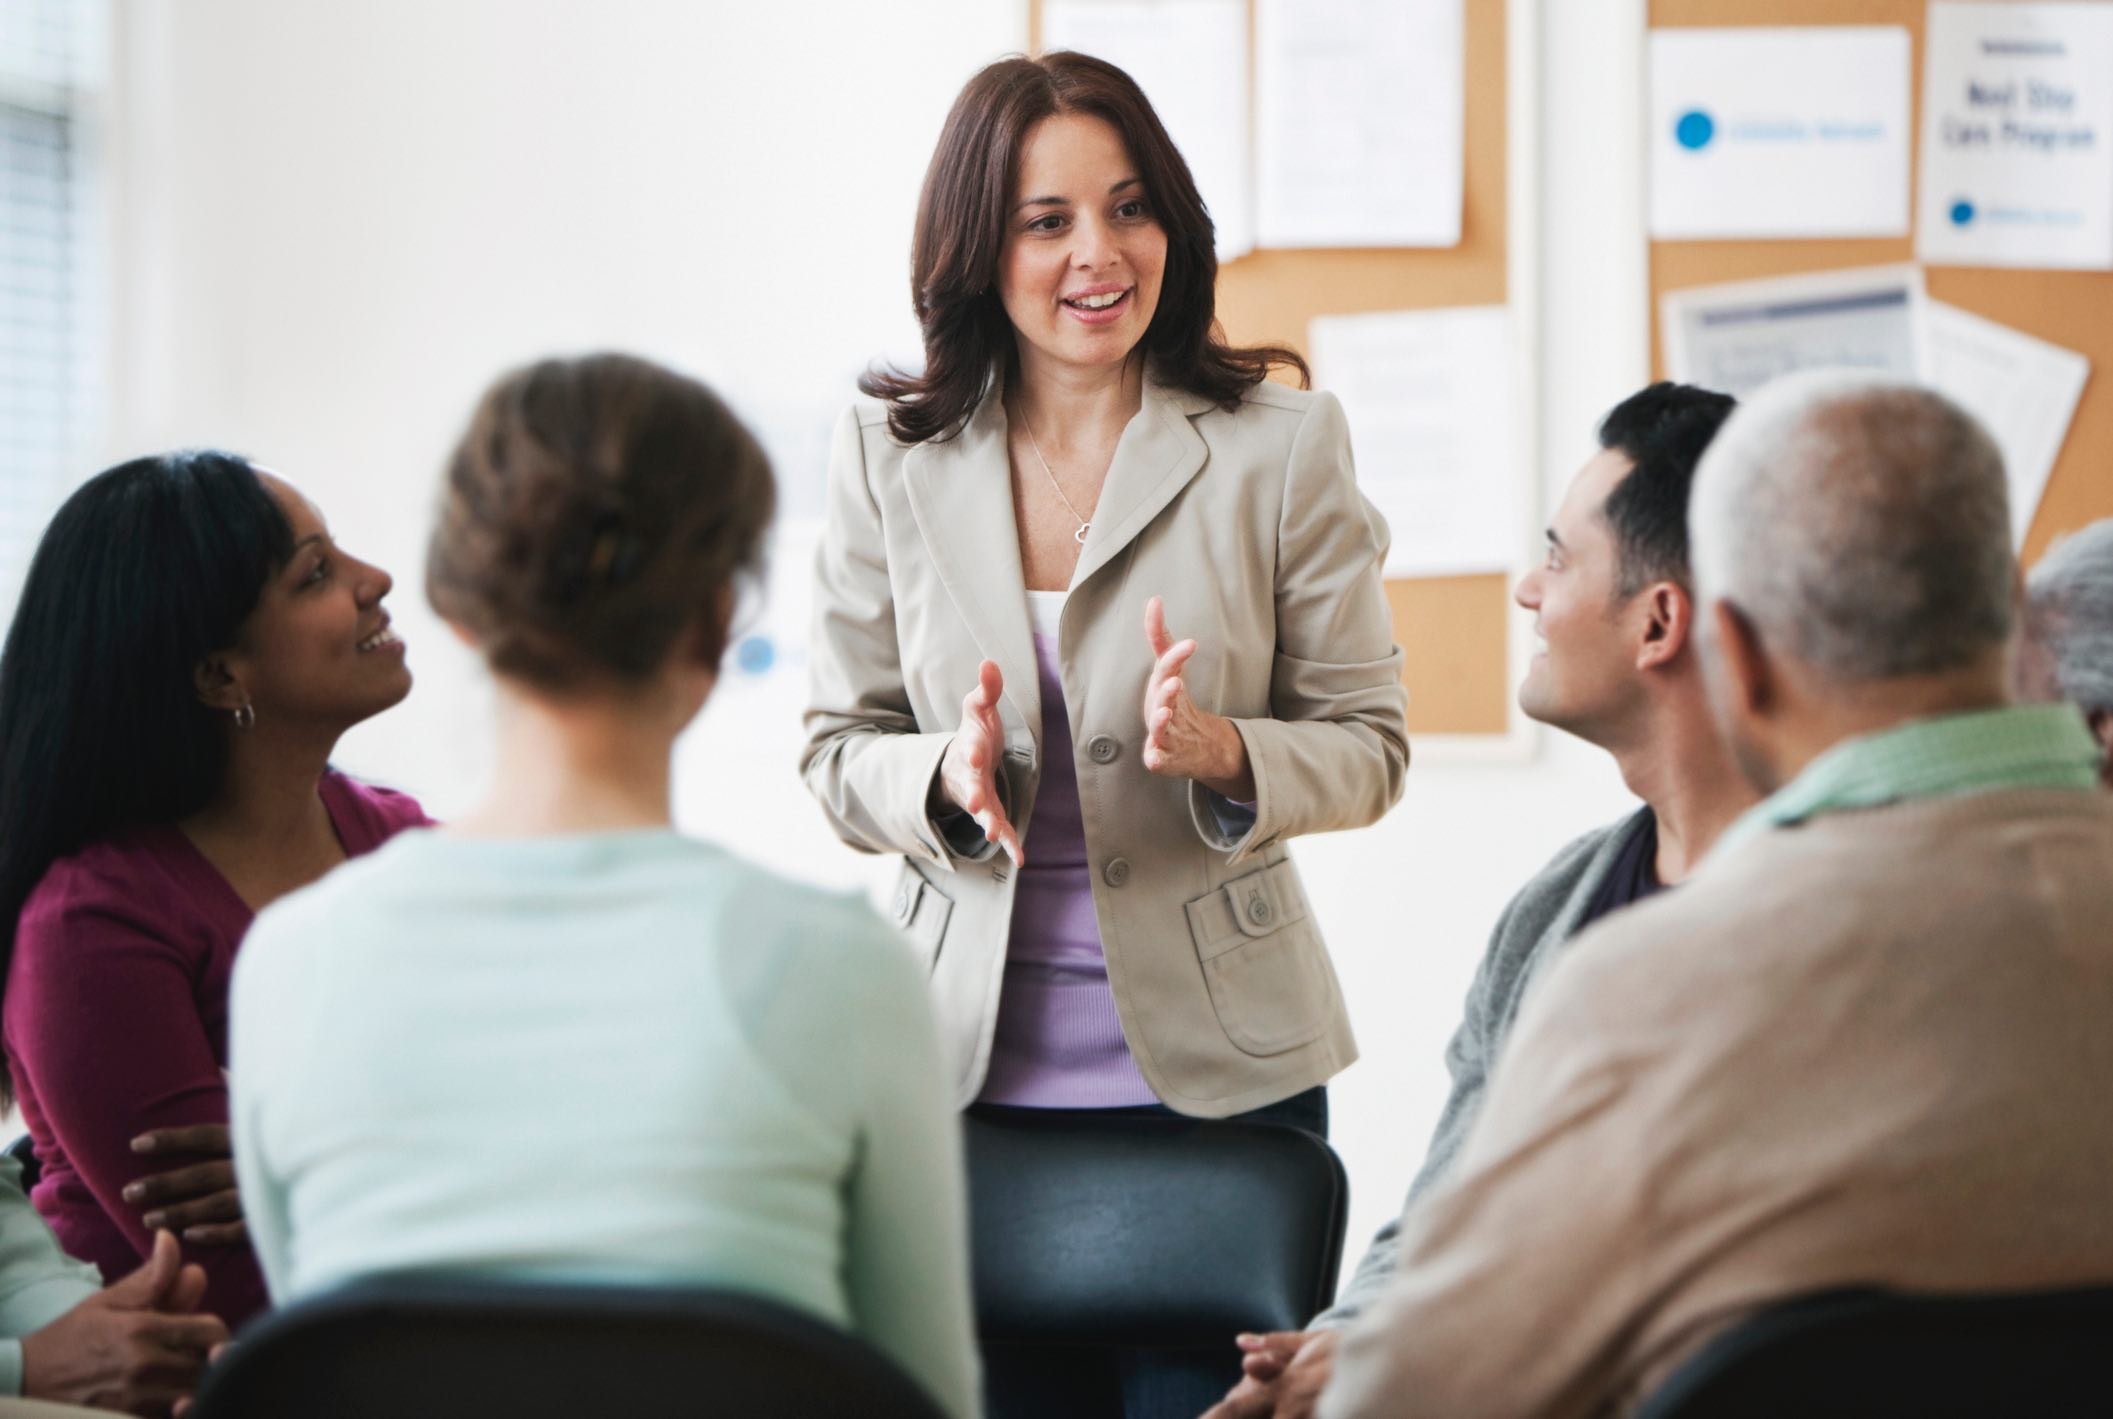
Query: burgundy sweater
[(116, 1023)]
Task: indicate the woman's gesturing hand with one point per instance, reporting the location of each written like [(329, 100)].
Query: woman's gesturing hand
[(968, 774), (1182, 739)]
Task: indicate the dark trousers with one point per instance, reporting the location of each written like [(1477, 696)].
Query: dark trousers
[(1030, 1382)]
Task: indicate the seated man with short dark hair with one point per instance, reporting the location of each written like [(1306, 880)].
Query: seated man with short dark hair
[(1867, 1043), (1614, 611)]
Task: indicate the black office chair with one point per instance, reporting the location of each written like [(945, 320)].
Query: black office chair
[(1147, 1231), (1867, 1354), (426, 1348), (24, 1152)]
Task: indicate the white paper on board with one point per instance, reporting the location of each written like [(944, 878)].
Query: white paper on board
[(2017, 136), (1431, 400), (772, 618), (1739, 336), (797, 427), (1779, 132), (2020, 387), (1190, 58), (1359, 122)]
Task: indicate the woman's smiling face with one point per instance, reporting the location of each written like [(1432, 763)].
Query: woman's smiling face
[(1083, 258), (318, 651)]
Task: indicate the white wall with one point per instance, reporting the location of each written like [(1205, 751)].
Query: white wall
[(335, 223)]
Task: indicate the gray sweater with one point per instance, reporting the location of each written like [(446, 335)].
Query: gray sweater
[(1538, 921)]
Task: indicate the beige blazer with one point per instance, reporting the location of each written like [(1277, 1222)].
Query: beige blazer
[(1250, 525)]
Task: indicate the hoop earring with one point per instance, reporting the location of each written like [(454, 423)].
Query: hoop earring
[(246, 715)]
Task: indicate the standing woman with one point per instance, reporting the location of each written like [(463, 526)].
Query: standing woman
[(1093, 814), (189, 645)]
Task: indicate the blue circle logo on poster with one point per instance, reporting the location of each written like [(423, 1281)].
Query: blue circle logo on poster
[(1694, 130), (756, 655), (1962, 212)]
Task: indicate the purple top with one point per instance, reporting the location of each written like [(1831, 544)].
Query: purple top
[(116, 1023), (1059, 1043)]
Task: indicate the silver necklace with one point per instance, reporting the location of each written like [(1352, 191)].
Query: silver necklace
[(1084, 524)]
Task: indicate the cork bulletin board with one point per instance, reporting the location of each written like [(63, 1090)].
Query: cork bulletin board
[(2070, 308), (1454, 630)]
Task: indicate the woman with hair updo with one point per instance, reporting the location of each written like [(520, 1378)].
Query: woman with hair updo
[(189, 646), (1099, 630), (559, 1039)]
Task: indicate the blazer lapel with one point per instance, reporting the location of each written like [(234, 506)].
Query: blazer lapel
[(961, 493), (1156, 457)]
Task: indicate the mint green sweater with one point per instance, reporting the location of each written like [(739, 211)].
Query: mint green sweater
[(624, 1056), (38, 1282)]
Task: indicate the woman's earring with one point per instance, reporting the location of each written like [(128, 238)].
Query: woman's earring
[(246, 715)]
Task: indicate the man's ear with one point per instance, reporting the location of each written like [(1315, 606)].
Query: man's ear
[(1746, 665), (217, 686), (1669, 627)]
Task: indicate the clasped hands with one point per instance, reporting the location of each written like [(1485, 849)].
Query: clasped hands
[(140, 1345), (1182, 739), (1282, 1375)]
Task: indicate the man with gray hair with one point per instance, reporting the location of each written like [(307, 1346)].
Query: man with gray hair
[(1866, 1044), (2066, 650)]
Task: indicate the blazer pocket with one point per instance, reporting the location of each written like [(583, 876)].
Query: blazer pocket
[(1261, 960), (920, 911)]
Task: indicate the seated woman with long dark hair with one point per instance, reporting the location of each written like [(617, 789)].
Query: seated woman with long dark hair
[(558, 1039), (188, 648)]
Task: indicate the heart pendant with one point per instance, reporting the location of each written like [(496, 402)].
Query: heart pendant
[(1080, 535)]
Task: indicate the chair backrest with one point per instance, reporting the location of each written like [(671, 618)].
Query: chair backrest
[(1867, 1354), (1142, 1230), (24, 1151), (414, 1347)]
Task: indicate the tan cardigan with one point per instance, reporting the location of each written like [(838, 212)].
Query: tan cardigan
[(1872, 1050), (1249, 524)]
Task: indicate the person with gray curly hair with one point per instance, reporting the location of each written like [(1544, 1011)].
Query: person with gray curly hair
[(1847, 1052), (2066, 649)]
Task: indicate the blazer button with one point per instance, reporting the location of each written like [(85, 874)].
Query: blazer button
[(902, 905), (1258, 910), (1116, 872), (1104, 748)]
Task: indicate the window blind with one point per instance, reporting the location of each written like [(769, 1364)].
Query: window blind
[(45, 364)]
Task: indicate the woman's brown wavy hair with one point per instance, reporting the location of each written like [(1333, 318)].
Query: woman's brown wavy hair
[(960, 237)]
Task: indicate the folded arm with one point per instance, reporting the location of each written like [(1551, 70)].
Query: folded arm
[(106, 1025)]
